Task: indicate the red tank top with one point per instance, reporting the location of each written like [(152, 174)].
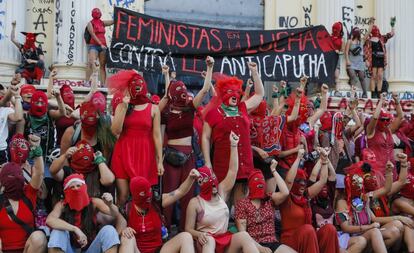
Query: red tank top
[(383, 148), (138, 122), (178, 125), (99, 30), (148, 229)]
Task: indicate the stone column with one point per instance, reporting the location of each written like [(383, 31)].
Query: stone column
[(9, 53), (70, 52), (399, 71), (330, 12)]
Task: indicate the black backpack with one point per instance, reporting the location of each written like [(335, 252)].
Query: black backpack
[(87, 36)]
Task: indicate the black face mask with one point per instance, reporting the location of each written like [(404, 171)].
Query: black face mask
[(25, 106)]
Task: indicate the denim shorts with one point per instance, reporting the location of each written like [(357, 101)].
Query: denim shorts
[(106, 238), (95, 48)]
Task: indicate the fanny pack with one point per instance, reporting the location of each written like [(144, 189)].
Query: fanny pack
[(356, 51), (175, 157)]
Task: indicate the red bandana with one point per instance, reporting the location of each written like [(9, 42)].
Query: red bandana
[(77, 199), (207, 180), (38, 104), (67, 95), (298, 197), (141, 192), (89, 118), (19, 149), (82, 160), (11, 178), (257, 185)]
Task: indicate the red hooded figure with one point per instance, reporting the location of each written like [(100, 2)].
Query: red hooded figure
[(32, 72), (67, 95), (82, 160), (257, 185), (207, 180), (89, 118), (337, 35), (131, 81), (141, 192), (11, 178), (19, 149), (38, 104)]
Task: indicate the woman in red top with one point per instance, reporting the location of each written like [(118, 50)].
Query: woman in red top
[(144, 231), (16, 198), (138, 151), (296, 213), (256, 213), (379, 132), (225, 113), (97, 44), (178, 118)]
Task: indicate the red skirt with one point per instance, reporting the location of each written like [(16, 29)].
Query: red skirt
[(222, 241)]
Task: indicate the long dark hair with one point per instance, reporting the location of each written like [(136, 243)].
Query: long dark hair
[(104, 136), (88, 225)]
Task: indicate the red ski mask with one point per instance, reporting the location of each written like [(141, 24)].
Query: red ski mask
[(229, 88), (300, 182), (141, 192), (337, 35), (82, 160), (155, 99), (67, 95), (76, 192), (19, 149), (96, 13), (30, 41), (89, 118), (370, 182), (116, 100), (384, 120), (99, 101), (27, 90), (177, 93), (11, 178), (375, 32), (38, 104), (324, 41), (137, 88), (261, 110), (356, 185), (356, 33), (207, 180), (257, 185)]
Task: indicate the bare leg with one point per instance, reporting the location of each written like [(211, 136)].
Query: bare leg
[(284, 249), (128, 245), (123, 191), (36, 243), (54, 250), (352, 76), (209, 247), (380, 76), (242, 242), (377, 243), (373, 80), (403, 205), (92, 56), (102, 62), (392, 233), (181, 243), (361, 76), (337, 79), (409, 238), (356, 244)]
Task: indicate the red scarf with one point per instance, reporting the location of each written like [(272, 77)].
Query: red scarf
[(77, 199), (298, 197)]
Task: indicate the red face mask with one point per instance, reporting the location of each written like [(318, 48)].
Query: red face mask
[(141, 192), (326, 121), (19, 149), (177, 93), (207, 180), (324, 41), (38, 104), (260, 111), (89, 118), (300, 182), (96, 13), (11, 178), (370, 182), (27, 90), (257, 185), (76, 198), (82, 159), (375, 32), (67, 95), (229, 88), (337, 29), (99, 101), (116, 100), (384, 121), (357, 183), (30, 41), (138, 90)]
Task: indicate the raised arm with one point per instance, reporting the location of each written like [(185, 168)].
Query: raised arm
[(13, 35), (56, 168), (227, 184), (295, 112), (164, 100), (388, 183), (107, 177), (18, 110), (119, 117), (37, 155), (315, 188), (324, 105), (374, 119), (280, 196), (56, 114), (290, 177), (255, 100), (402, 177), (247, 90), (276, 106), (207, 82), (52, 76), (205, 144), (395, 124), (352, 107), (172, 197), (315, 171)]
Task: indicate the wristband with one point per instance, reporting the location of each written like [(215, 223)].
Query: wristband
[(35, 152), (275, 94), (233, 145), (99, 159)]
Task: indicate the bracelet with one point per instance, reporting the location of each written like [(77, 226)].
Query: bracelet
[(233, 145), (273, 171), (35, 152), (99, 159)]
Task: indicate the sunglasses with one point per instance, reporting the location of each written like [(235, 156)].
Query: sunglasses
[(385, 119)]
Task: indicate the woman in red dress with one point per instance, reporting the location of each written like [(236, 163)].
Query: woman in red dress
[(225, 113), (138, 151)]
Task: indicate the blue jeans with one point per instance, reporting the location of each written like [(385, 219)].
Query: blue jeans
[(96, 48), (104, 240)]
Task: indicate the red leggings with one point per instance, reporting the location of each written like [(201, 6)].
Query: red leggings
[(35, 75)]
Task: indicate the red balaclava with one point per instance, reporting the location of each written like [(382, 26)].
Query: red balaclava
[(207, 180), (375, 32), (261, 110), (116, 100), (96, 13), (77, 199), (155, 99), (99, 101), (30, 41), (82, 160), (370, 182), (89, 118), (298, 198), (38, 104), (257, 185), (178, 95), (27, 89), (137, 88), (337, 34), (384, 120), (229, 87), (356, 33), (11, 178), (67, 95), (141, 192), (19, 149), (356, 185), (368, 155)]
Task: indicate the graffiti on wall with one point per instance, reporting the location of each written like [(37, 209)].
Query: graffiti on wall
[(40, 11), (347, 20), (293, 21), (2, 20), (121, 3), (307, 10), (58, 25), (72, 35)]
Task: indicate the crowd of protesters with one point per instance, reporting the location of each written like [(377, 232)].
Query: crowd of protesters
[(236, 174)]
